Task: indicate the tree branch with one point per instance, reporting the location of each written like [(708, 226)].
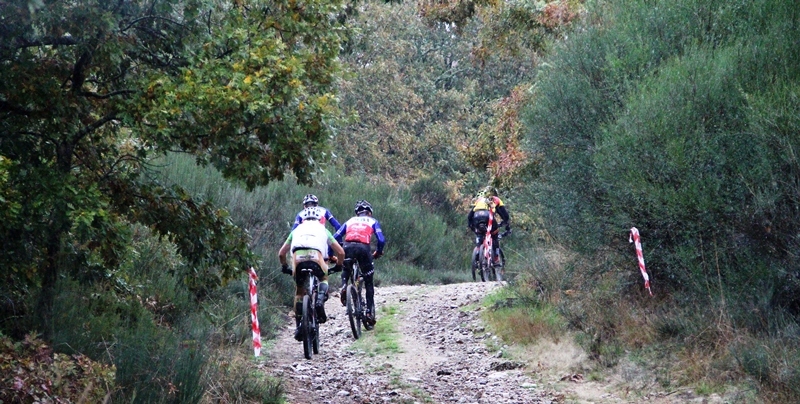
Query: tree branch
[(94, 126), (46, 41), (77, 72), (150, 17), (108, 95), (5, 106)]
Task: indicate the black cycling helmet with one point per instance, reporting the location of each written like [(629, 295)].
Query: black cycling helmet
[(310, 198), (363, 206)]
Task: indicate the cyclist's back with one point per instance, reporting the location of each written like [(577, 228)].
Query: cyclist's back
[(357, 234), (309, 242)]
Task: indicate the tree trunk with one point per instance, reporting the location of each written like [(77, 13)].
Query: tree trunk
[(59, 224)]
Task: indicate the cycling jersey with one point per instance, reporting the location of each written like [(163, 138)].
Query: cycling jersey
[(360, 229), (491, 203), (328, 217), (310, 234), (481, 208)]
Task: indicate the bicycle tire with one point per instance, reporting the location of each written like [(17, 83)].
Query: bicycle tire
[(475, 265), (354, 311), (484, 266), (498, 269), (307, 324), (316, 338)]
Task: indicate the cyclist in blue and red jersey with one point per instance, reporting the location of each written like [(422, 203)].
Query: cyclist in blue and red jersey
[(309, 201), (357, 233)]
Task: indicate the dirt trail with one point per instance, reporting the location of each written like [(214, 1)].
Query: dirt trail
[(440, 352)]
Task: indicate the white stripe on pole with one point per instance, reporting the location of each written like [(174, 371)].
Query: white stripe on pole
[(254, 312), (634, 238)]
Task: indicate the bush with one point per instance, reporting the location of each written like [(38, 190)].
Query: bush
[(32, 373)]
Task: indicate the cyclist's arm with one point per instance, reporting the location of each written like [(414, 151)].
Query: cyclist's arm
[(337, 248), (297, 221), (379, 235), (339, 235), (285, 250), (335, 223), (501, 210)]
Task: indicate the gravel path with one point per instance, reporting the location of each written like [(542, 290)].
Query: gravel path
[(440, 353)]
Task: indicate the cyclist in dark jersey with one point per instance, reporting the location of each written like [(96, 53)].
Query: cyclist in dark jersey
[(357, 233)]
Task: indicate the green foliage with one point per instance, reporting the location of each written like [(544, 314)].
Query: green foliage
[(422, 88), (679, 118), (92, 91)]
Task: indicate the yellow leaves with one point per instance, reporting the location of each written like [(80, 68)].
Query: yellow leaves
[(247, 80), (295, 83)]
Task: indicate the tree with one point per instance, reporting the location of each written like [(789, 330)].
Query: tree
[(92, 90)]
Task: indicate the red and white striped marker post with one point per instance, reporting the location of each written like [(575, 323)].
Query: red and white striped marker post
[(634, 238), (487, 240), (254, 312)]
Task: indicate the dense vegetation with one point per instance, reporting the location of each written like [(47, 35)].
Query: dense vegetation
[(679, 118), (150, 152)]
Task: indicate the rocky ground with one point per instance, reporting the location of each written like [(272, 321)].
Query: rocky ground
[(430, 346)]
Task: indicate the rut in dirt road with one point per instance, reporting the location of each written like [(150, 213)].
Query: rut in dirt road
[(440, 354)]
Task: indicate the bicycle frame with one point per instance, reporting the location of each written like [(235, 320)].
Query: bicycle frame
[(355, 303)]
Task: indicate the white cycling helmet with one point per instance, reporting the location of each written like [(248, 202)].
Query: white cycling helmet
[(310, 198), (312, 213)]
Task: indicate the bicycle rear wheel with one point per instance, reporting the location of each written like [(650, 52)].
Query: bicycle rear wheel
[(354, 311), (475, 265), (307, 324), (498, 269)]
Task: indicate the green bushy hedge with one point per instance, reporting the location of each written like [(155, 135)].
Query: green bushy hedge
[(680, 118)]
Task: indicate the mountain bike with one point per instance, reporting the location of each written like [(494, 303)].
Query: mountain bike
[(483, 261), (355, 302), (308, 273)]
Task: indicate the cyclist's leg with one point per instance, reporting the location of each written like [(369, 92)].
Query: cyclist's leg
[(370, 289), (496, 247), (367, 270)]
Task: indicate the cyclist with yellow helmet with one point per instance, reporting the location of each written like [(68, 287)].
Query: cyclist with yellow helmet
[(487, 204)]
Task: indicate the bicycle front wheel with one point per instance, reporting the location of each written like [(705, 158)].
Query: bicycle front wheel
[(354, 311), (484, 265), (307, 323)]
